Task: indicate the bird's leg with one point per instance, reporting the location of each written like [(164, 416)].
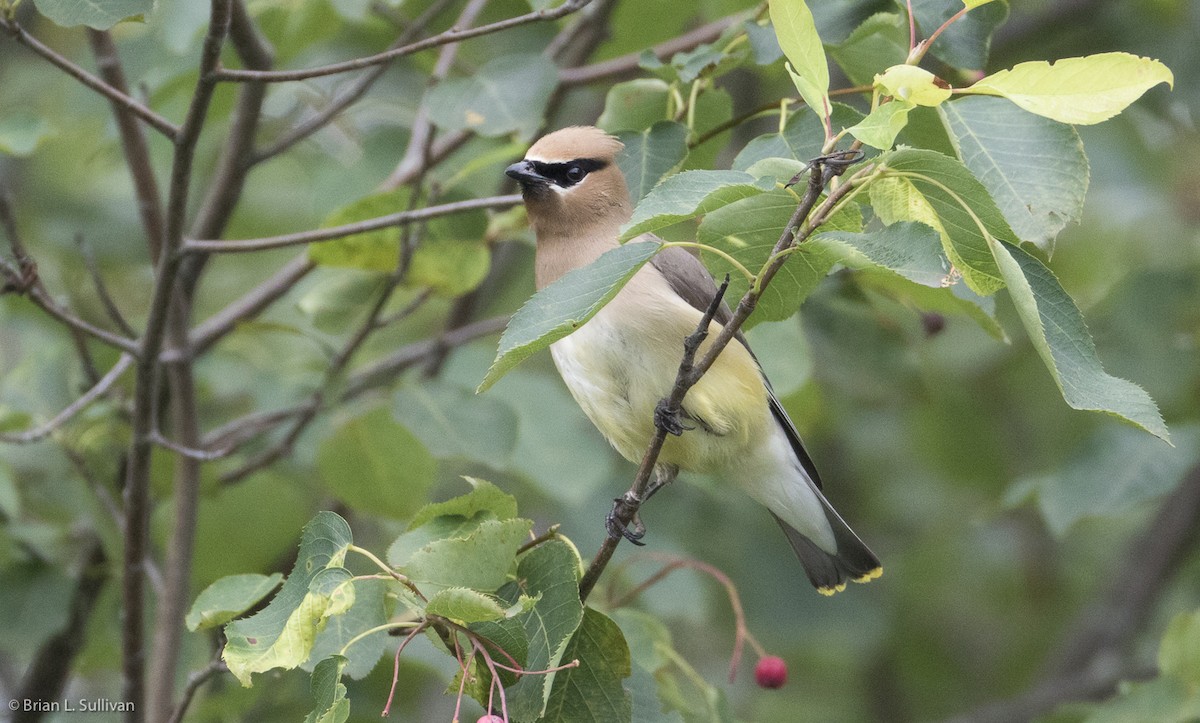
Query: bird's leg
[(669, 418), (628, 504), (664, 474)]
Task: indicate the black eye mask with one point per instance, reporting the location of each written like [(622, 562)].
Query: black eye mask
[(567, 174)]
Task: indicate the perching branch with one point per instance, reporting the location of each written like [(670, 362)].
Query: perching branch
[(821, 172), (452, 35)]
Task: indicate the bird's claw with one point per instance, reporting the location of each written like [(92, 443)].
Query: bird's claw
[(635, 530), (668, 419)]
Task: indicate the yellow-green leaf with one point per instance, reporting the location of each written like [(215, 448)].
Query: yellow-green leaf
[(915, 85), (797, 35), (1081, 91), (880, 128)]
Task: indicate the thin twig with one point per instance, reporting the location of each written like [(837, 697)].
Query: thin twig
[(325, 234), (452, 35), (106, 299), (195, 681), (630, 63), (154, 120), (98, 390)]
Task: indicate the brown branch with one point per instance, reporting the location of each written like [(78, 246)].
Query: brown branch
[(106, 299), (98, 390), (450, 36), (325, 234), (133, 141), (154, 120), (162, 307), (195, 681), (691, 370)]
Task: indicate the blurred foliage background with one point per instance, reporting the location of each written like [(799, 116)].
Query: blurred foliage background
[(1007, 522)]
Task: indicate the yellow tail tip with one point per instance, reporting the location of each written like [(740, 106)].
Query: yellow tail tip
[(870, 575), (830, 591)]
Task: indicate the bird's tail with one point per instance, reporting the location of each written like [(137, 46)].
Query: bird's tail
[(828, 571)]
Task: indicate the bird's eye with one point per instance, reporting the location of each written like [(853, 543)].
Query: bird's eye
[(575, 174)]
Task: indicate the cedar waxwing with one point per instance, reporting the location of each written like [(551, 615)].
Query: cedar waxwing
[(624, 360)]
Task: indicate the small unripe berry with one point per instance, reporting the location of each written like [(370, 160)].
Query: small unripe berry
[(771, 672)]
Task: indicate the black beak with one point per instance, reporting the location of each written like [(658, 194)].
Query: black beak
[(525, 174)]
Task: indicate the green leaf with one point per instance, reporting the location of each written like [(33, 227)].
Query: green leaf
[(926, 186), (998, 141), (690, 194), (551, 571), (338, 294), (880, 128), (593, 691), (1056, 328), (651, 154), (1080, 91), (565, 305), (377, 250), (328, 692), (635, 105), (801, 140), (376, 465), (98, 14), (483, 497), (450, 267), (1115, 470), (763, 42), (967, 41), (228, 598), (370, 610), (281, 635), (21, 132), (509, 634), (479, 559), (797, 34), (1162, 700), (464, 606), (507, 94), (912, 84), (748, 230), (454, 422), (1179, 653), (881, 41), (908, 249)]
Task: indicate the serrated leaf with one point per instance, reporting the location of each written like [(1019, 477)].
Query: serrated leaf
[(479, 560), (938, 191), (635, 105), (748, 231), (1081, 91), (967, 41), (565, 305), (908, 249), (228, 598), (98, 14), (650, 155), (281, 635), (797, 34), (376, 465), (551, 571), (997, 142), (453, 422), (1057, 331), (464, 606), (880, 128), (912, 84), (369, 610), (881, 41), (483, 497), (801, 140), (507, 94), (594, 691), (509, 636), (690, 194), (328, 692)]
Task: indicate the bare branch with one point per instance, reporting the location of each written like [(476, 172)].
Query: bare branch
[(193, 453), (106, 299), (98, 390), (154, 120), (325, 234), (450, 36), (195, 681)]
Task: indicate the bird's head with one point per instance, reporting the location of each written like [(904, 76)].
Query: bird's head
[(570, 179)]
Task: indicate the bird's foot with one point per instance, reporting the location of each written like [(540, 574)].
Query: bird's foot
[(625, 506), (668, 419)]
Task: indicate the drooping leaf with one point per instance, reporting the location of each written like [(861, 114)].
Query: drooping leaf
[(452, 422), (635, 105), (651, 154), (880, 128), (926, 186), (1080, 91), (98, 14), (998, 141), (376, 465), (370, 610), (228, 598), (550, 571), (1057, 331), (966, 43), (594, 691), (330, 704), (281, 635), (690, 194), (881, 41), (479, 560), (464, 606), (565, 305), (507, 94), (797, 34)]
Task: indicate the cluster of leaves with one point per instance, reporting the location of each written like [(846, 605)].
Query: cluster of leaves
[(466, 575)]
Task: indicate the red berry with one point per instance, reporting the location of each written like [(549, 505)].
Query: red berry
[(771, 672), (490, 719)]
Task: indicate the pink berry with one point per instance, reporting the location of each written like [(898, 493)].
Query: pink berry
[(490, 719), (771, 672)]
